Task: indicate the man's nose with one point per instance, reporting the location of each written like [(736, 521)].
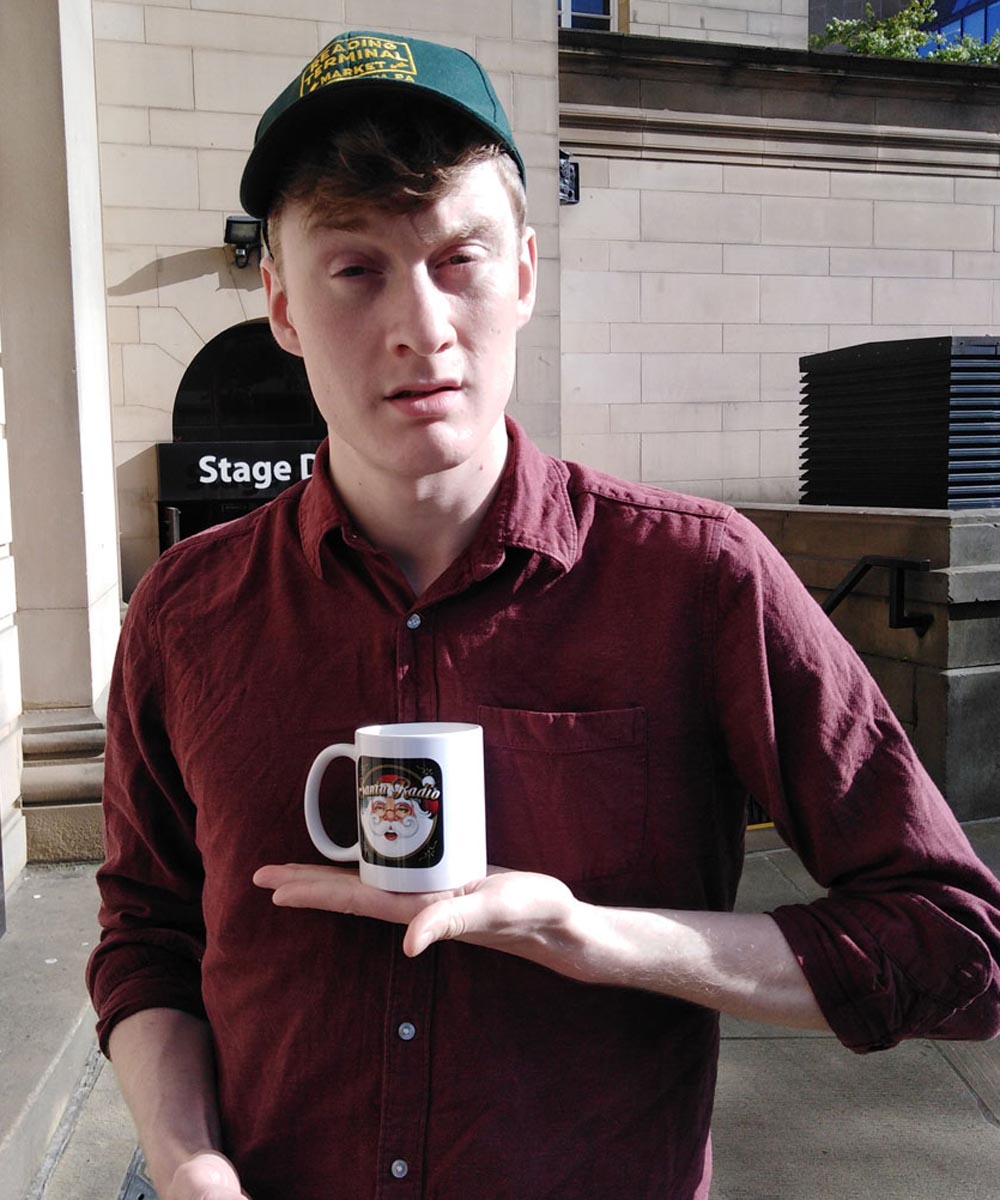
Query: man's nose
[(422, 316)]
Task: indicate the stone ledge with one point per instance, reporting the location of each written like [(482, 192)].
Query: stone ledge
[(71, 782), (60, 833), (950, 538), (61, 785)]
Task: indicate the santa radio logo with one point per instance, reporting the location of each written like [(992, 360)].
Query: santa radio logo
[(400, 812), (357, 57)]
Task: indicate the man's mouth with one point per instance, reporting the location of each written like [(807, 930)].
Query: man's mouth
[(390, 836), (422, 392)]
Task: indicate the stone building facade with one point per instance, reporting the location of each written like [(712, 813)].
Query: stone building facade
[(748, 22), (743, 203), (740, 209)]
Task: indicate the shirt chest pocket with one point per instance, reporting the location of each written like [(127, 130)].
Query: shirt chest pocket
[(565, 791)]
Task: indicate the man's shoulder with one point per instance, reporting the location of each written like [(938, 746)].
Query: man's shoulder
[(201, 561), (623, 494), (648, 519)]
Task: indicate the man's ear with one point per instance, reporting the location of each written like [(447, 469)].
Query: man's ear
[(527, 274), (277, 308)]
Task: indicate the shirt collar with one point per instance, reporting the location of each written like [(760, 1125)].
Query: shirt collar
[(532, 507), (531, 510)]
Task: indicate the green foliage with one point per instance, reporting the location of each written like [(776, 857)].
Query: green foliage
[(899, 36), (903, 36), (968, 50)]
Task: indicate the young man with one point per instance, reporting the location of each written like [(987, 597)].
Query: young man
[(639, 661)]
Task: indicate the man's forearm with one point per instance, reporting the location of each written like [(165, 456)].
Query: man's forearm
[(165, 1066), (736, 963)]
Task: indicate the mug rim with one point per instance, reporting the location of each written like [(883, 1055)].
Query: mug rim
[(415, 729)]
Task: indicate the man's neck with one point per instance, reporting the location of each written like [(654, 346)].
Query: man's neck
[(422, 523)]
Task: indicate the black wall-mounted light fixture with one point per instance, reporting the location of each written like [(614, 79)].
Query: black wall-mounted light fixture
[(243, 234), (569, 179)]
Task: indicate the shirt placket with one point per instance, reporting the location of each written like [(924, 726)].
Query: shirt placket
[(402, 1167)]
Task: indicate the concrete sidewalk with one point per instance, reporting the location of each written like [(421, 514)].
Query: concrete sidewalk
[(797, 1117)]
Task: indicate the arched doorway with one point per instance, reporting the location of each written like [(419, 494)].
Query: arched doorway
[(244, 428)]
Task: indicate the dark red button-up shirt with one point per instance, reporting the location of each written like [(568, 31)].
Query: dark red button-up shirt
[(640, 662)]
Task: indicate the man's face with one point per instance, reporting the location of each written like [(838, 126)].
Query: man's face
[(407, 326)]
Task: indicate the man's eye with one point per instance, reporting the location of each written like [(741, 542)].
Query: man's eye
[(459, 259), (352, 272)]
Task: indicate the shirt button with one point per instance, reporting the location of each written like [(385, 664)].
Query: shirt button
[(414, 621), (407, 1031), (400, 1168)]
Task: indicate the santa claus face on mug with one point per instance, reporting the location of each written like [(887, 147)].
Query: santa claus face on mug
[(396, 826)]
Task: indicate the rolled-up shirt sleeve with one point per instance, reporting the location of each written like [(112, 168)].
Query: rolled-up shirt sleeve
[(907, 941), (152, 930)]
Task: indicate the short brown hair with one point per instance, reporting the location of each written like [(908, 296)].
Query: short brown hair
[(395, 161)]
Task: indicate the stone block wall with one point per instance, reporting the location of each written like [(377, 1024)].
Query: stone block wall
[(180, 86), (945, 686), (747, 22), (732, 220)]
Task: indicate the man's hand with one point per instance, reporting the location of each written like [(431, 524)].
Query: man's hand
[(207, 1176), (531, 916), (737, 963)]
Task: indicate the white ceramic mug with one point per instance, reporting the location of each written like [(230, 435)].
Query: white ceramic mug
[(420, 805)]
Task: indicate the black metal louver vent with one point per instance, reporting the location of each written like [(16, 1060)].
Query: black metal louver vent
[(904, 424)]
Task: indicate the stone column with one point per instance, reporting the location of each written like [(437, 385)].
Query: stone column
[(53, 316), (12, 834)]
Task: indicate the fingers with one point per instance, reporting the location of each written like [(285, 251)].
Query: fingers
[(275, 876), (431, 916), (338, 889), (516, 912)]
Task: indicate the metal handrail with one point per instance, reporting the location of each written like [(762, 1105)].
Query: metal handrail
[(899, 618)]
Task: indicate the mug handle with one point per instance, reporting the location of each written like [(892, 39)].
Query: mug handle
[(321, 839)]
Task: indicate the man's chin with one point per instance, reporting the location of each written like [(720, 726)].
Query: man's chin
[(444, 445)]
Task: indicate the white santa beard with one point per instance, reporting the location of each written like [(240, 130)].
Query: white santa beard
[(411, 834)]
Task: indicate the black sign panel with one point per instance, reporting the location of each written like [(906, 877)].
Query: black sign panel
[(231, 470)]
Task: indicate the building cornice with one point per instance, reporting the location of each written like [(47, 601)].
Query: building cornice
[(622, 95), (632, 55)]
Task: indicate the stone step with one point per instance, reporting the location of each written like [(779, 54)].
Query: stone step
[(62, 810), (62, 733), (69, 782), (63, 743)]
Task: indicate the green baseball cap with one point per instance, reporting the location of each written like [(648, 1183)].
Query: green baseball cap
[(364, 63)]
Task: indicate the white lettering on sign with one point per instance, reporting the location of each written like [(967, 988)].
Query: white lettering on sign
[(262, 472)]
